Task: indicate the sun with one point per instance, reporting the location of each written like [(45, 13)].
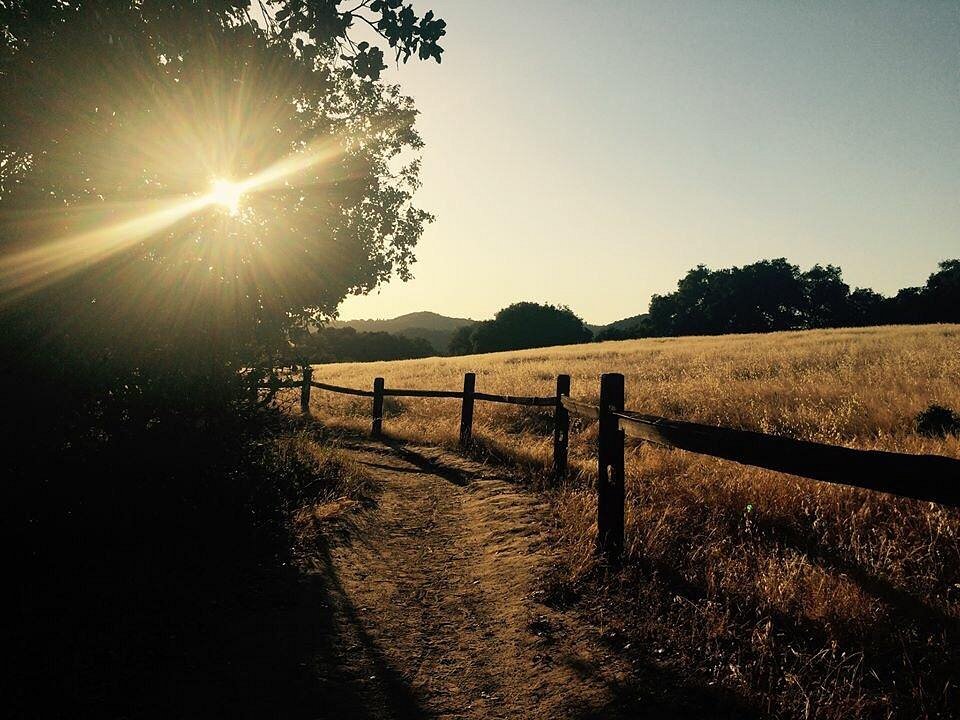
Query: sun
[(226, 194)]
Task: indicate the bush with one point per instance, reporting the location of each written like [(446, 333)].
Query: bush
[(938, 422)]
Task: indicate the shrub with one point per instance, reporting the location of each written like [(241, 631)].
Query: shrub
[(938, 421)]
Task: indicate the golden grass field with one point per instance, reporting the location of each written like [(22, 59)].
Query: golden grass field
[(803, 599)]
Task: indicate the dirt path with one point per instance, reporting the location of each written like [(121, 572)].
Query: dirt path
[(434, 595)]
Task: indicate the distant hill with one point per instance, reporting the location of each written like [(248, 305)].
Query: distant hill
[(438, 329), (626, 322), (432, 327)]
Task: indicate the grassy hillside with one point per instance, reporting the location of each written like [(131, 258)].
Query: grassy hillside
[(797, 596)]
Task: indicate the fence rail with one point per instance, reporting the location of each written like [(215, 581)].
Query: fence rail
[(921, 477), (342, 390), (423, 393), (933, 478), (517, 400), (581, 408)]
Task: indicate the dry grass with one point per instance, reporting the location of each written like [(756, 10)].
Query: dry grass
[(320, 485), (804, 598)]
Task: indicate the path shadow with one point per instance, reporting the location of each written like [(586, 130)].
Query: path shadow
[(425, 463), (391, 468), (148, 610), (279, 645), (651, 691), (518, 466), (357, 664)]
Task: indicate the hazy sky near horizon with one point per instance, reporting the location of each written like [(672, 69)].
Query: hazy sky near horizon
[(590, 153)]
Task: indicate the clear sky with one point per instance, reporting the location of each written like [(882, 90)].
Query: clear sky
[(589, 153)]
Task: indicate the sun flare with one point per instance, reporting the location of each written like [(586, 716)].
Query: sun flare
[(226, 194), (26, 269)]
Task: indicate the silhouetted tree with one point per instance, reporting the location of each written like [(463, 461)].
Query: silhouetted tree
[(942, 293), (115, 116), (767, 295), (462, 341), (529, 325), (827, 297), (132, 306), (909, 306), (866, 307), (774, 295), (349, 345)]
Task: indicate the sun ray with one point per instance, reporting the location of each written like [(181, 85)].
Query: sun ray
[(25, 270), (35, 267)]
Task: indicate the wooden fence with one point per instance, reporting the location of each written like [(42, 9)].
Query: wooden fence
[(931, 478)]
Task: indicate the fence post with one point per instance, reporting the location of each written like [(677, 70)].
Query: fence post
[(305, 389), (377, 429), (610, 492), (466, 409), (561, 430)]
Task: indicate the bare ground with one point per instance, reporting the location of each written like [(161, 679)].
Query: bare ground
[(433, 598)]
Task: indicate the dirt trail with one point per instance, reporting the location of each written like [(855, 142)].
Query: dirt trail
[(434, 595)]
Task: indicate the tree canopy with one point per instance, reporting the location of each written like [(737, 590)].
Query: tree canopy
[(774, 295), (521, 325), (118, 118)]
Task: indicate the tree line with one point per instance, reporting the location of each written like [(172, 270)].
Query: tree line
[(772, 295), (765, 296), (347, 344)]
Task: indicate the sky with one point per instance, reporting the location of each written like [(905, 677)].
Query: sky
[(590, 153)]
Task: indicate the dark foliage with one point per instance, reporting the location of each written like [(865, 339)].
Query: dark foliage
[(613, 332), (118, 544), (110, 257), (938, 421), (348, 345), (462, 341), (775, 295), (140, 494), (124, 299), (521, 325)]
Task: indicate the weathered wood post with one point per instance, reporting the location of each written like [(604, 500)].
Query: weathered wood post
[(305, 389), (466, 409), (561, 430), (377, 429), (610, 492)]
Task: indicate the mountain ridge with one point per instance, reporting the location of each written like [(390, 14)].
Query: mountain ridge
[(420, 319), (433, 327), (437, 329)]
